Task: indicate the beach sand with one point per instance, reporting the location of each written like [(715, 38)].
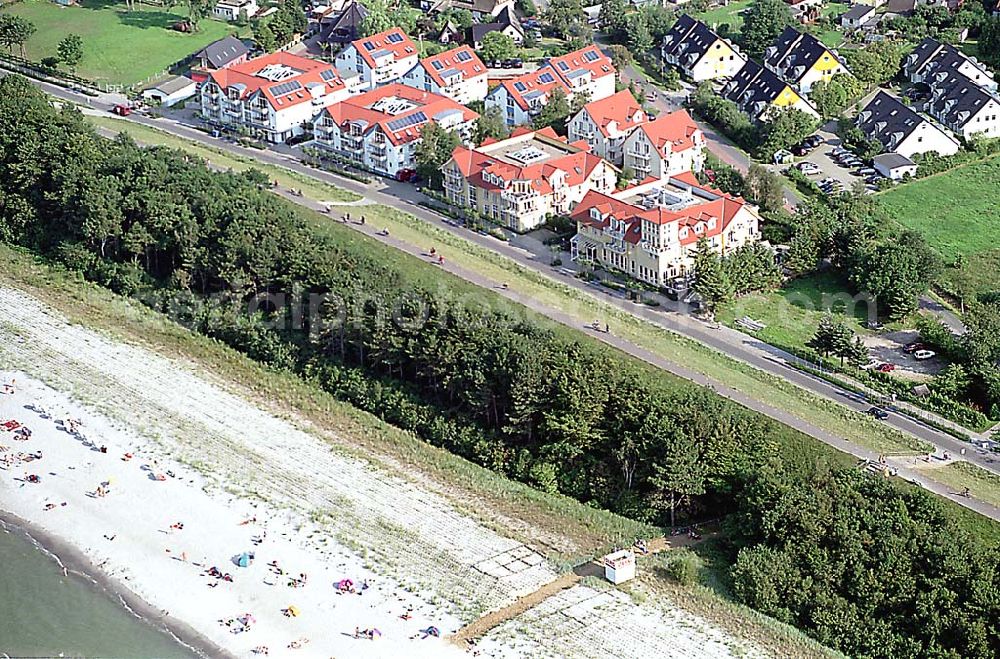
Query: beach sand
[(165, 566)]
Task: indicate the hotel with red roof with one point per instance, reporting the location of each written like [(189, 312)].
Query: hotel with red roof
[(271, 96), (380, 129), (650, 231), (518, 182), (379, 59), (606, 123), (665, 147), (586, 72), (458, 74)]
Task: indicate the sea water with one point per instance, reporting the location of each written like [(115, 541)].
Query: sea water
[(46, 614)]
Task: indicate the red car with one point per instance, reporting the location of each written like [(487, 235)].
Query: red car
[(885, 368), (122, 110)]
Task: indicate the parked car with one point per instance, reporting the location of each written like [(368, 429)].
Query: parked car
[(802, 149), (814, 141), (122, 110), (866, 171), (872, 363), (885, 368), (923, 354), (911, 348), (808, 168), (878, 413)]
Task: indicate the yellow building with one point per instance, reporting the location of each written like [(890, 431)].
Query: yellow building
[(699, 53), (757, 91), (802, 60)]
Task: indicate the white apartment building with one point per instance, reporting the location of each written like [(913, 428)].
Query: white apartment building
[(380, 59), (649, 232), (271, 96), (605, 124), (901, 130), (666, 147), (380, 129), (587, 72), (520, 181), (458, 74)]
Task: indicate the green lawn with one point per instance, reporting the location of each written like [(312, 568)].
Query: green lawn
[(832, 37), (793, 312), (957, 211), (119, 47), (731, 14)]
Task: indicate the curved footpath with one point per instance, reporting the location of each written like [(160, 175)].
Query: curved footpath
[(734, 344)]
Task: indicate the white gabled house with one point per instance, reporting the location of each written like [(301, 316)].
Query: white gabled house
[(458, 74), (605, 124), (901, 130), (380, 129), (380, 59), (665, 147)]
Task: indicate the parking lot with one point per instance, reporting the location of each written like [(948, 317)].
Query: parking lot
[(888, 348), (822, 157)]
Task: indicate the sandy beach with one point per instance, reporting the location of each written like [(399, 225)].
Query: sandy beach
[(130, 533)]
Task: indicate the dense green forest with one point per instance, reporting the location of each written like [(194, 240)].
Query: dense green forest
[(867, 567)]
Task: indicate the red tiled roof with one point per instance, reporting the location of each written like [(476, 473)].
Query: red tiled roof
[(393, 40), (590, 58), (671, 132), (462, 59), (543, 79), (309, 72), (577, 167), (620, 108), (358, 108), (723, 210)]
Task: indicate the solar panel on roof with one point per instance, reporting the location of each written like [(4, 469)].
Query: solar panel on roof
[(395, 37), (564, 66), (592, 56), (546, 78), (285, 88), (411, 120), (463, 56), (437, 65), (327, 74), (369, 45), (519, 86)]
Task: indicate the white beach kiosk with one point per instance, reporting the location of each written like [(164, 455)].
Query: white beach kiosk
[(619, 567)]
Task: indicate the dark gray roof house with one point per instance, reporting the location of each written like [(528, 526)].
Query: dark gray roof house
[(962, 105), (220, 54), (754, 89), (344, 27), (687, 42), (505, 21), (794, 54), (931, 57)]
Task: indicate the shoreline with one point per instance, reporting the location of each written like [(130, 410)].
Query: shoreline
[(75, 562)]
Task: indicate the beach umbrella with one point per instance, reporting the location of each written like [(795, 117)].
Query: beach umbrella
[(344, 584), (376, 632), (432, 631), (243, 560), (293, 610)]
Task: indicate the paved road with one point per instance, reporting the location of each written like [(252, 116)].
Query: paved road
[(737, 345)]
